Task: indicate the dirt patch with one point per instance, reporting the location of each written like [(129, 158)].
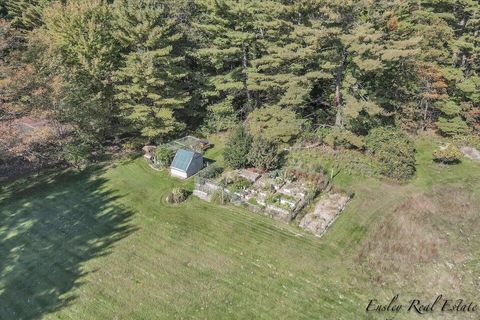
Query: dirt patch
[(471, 153), (326, 211)]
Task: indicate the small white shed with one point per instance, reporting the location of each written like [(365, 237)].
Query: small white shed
[(186, 163)]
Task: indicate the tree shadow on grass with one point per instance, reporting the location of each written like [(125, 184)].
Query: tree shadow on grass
[(48, 230)]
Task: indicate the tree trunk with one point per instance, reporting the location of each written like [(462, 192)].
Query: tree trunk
[(248, 105), (338, 94), (425, 114)]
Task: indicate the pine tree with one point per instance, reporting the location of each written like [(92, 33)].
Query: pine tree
[(237, 148), (238, 45), (3, 8), (449, 53), (362, 57), (227, 46), (150, 87), (274, 123), (25, 14)]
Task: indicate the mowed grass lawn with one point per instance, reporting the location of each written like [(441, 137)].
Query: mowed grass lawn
[(103, 244)]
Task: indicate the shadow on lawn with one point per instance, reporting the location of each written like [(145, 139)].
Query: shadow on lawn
[(48, 230)]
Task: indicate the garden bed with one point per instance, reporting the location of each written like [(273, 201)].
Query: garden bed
[(325, 212), (273, 193)]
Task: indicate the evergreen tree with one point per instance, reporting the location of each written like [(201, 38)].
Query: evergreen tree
[(157, 67), (150, 87), (237, 40), (264, 154), (237, 148), (3, 8), (274, 123), (227, 44), (449, 47), (25, 14)]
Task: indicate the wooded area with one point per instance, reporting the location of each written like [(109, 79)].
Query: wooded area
[(131, 72)]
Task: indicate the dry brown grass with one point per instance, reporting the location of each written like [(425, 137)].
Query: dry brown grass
[(402, 240), (426, 240)]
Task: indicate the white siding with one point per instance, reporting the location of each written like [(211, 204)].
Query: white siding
[(178, 173)]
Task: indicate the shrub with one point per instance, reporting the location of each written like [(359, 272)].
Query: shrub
[(468, 140), (211, 172), (239, 184), (343, 138), (177, 195), (220, 197), (237, 148), (78, 152), (308, 135), (264, 154), (274, 173), (393, 151), (163, 156), (452, 126), (134, 144), (322, 133), (448, 155)]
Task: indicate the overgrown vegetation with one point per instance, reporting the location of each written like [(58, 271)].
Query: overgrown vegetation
[(448, 155), (220, 197), (163, 156), (239, 184), (176, 196), (393, 151), (210, 172)]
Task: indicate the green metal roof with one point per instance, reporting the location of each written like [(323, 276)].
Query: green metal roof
[(182, 159)]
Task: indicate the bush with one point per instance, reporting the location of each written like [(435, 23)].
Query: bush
[(264, 154), (211, 172), (343, 138), (220, 197), (177, 195), (274, 173), (393, 151), (452, 126), (163, 156), (468, 140), (322, 133), (237, 148), (134, 144), (448, 155), (78, 152), (239, 184)]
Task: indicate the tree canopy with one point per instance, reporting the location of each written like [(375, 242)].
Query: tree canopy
[(153, 69)]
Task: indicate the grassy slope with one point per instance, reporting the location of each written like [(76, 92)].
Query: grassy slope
[(103, 244)]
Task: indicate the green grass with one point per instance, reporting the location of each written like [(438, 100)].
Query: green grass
[(103, 244)]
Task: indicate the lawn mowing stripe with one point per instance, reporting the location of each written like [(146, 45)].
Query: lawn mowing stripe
[(171, 236)]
